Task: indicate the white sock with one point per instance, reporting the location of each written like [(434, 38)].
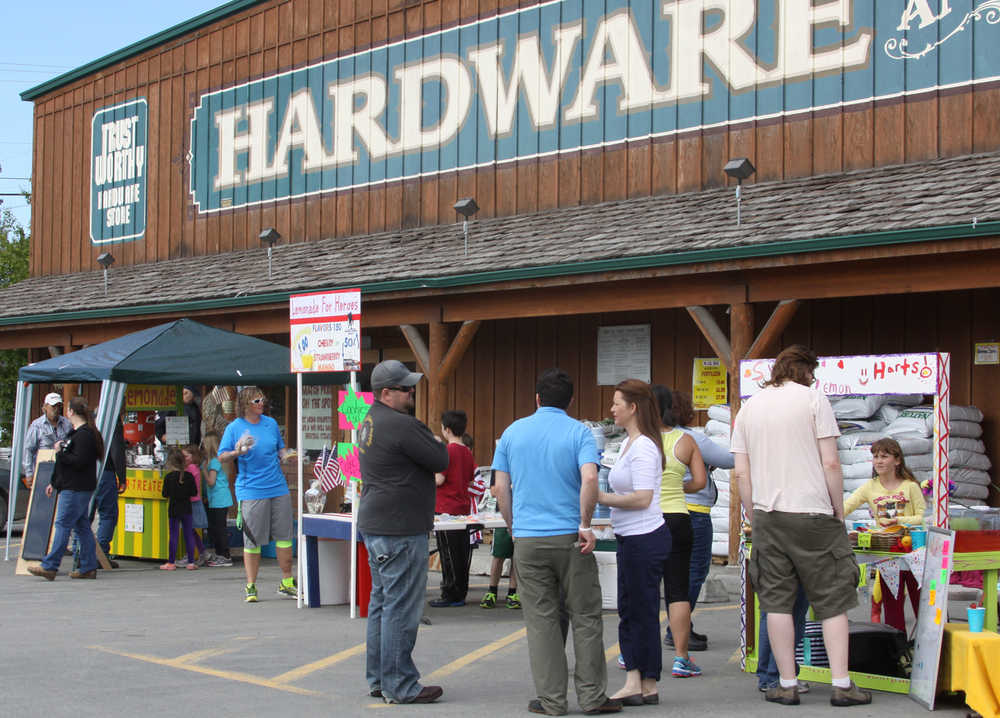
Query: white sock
[(788, 684), (842, 682)]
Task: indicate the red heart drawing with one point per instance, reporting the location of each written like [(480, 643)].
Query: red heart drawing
[(840, 364)]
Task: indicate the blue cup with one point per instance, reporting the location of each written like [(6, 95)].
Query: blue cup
[(977, 617), (918, 537)]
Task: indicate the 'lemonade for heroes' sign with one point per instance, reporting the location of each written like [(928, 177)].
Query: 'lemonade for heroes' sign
[(118, 162), (326, 331), (568, 75)]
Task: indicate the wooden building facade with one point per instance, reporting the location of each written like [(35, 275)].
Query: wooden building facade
[(592, 136)]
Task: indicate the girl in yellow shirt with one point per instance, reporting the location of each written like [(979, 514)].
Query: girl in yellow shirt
[(894, 497)]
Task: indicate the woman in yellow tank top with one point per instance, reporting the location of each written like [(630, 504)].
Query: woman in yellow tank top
[(680, 452)]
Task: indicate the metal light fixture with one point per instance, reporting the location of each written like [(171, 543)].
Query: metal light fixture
[(739, 169), (105, 259), (466, 207), (269, 236)]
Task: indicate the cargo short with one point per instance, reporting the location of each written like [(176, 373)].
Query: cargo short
[(503, 545), (265, 520), (813, 549)]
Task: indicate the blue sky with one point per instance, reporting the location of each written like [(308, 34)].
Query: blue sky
[(45, 39)]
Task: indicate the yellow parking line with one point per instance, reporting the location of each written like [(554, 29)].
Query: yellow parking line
[(465, 660), (303, 671), (195, 656), (228, 675)]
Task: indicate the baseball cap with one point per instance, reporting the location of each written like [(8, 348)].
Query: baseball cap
[(393, 373), (53, 399)]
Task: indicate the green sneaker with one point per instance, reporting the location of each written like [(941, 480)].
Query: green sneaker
[(489, 600), (513, 600), (251, 593), (289, 591)]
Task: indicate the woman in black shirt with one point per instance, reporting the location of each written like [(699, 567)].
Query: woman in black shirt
[(74, 478)]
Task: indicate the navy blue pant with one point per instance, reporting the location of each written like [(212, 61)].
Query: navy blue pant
[(640, 570), (767, 668), (701, 554)]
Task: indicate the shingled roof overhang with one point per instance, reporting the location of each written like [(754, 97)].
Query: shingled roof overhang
[(950, 199)]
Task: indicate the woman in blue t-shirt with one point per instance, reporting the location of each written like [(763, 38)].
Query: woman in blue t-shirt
[(265, 507)]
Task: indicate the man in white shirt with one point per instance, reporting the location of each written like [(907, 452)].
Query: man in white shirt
[(785, 449)]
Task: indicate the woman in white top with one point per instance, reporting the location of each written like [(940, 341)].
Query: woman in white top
[(643, 539)]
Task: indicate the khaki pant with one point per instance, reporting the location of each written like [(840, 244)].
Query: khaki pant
[(557, 582)]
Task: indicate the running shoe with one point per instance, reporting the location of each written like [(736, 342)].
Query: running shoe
[(684, 668), (251, 593), (489, 600), (289, 591), (220, 561), (181, 562), (513, 600)]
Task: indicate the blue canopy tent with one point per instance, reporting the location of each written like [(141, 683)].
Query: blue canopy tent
[(178, 352)]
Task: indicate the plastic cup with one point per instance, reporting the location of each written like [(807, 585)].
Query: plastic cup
[(977, 617), (918, 538)]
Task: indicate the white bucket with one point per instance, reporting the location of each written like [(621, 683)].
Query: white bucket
[(607, 574)]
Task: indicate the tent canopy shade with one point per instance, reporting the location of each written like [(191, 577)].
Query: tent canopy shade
[(178, 352)]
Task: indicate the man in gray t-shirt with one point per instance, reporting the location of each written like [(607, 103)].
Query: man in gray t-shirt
[(399, 457)]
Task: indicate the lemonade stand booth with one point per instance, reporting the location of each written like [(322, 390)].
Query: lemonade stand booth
[(167, 355)]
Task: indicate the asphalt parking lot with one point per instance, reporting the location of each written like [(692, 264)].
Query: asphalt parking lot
[(139, 641)]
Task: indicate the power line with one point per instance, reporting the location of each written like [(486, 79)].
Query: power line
[(36, 64)]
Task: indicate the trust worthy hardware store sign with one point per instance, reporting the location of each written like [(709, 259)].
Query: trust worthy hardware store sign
[(118, 172), (568, 75)]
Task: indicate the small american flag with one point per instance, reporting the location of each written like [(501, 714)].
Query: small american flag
[(479, 483), (327, 470)]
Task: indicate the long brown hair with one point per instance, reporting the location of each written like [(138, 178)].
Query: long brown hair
[(175, 461), (647, 417), (795, 363), (79, 406), (893, 449)]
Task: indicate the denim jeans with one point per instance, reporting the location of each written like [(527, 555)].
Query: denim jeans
[(701, 554), (767, 668), (106, 504), (399, 583), (72, 514)]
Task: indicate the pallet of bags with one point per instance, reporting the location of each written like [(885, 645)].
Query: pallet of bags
[(720, 514)]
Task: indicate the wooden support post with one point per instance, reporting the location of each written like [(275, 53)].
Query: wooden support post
[(439, 360), (741, 324), (713, 334), (438, 391), (767, 340), (417, 346)]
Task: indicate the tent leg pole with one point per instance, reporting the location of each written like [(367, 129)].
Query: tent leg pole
[(298, 460)]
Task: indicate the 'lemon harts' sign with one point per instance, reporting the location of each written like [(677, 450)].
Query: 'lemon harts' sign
[(572, 74)]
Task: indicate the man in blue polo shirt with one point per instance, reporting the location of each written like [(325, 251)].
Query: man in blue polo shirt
[(546, 484)]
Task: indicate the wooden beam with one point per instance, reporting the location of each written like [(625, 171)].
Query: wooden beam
[(438, 346), (741, 332), (776, 324), (458, 347), (712, 333), (417, 346)]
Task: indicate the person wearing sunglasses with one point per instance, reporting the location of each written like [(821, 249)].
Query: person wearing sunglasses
[(399, 457), (265, 506)]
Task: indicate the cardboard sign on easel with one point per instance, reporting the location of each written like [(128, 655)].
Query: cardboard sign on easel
[(39, 521)]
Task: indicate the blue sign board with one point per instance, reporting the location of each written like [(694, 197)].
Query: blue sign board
[(118, 163), (567, 75)]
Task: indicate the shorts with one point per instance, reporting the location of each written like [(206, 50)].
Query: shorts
[(265, 520), (677, 568), (503, 544), (811, 549)]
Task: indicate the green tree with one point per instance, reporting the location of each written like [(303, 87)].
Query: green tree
[(14, 241)]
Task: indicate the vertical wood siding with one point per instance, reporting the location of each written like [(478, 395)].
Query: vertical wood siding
[(285, 34)]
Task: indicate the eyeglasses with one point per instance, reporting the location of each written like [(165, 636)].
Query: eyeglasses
[(404, 389), (258, 400)]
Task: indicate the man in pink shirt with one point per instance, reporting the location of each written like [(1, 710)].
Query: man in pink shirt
[(784, 446)]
